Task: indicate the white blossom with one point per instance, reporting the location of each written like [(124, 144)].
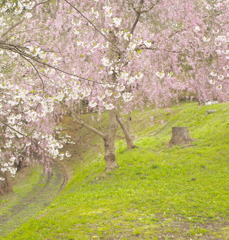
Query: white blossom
[(197, 29), (92, 104), (12, 159), (12, 171), (108, 92), (212, 82), (160, 74), (220, 77), (218, 44), (139, 76), (221, 38), (117, 95), (120, 88), (117, 21), (109, 106), (147, 44), (11, 119), (29, 5), (206, 39), (67, 154), (127, 96), (101, 97), (108, 11), (28, 15), (213, 74), (132, 46), (127, 36), (106, 62), (4, 170), (226, 67), (124, 75), (208, 7), (219, 52), (131, 80)]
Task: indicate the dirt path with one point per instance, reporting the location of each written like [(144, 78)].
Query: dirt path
[(42, 194)]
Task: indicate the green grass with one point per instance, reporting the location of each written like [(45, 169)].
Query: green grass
[(31, 195), (158, 192), (23, 184)]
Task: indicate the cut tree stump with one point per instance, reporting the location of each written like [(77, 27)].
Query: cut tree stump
[(180, 136), (211, 111)]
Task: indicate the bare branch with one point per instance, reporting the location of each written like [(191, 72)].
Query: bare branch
[(92, 24), (80, 121), (138, 13)]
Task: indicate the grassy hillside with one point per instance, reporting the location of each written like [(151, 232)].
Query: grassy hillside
[(158, 192)]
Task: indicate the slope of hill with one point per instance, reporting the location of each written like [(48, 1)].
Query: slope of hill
[(158, 192)]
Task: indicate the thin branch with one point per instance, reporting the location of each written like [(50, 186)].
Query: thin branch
[(88, 20), (138, 12), (145, 11), (19, 50), (80, 121), (11, 28), (43, 85), (15, 130), (156, 49), (42, 3)]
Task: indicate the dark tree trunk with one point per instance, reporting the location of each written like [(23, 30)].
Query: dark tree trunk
[(180, 136), (6, 186), (20, 165), (109, 139), (129, 118), (129, 140), (109, 143)]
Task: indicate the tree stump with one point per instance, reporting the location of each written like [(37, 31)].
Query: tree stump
[(180, 136)]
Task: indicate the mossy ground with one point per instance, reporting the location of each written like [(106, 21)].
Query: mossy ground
[(158, 192)]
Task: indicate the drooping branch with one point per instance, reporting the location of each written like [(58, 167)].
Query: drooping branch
[(39, 75), (15, 130), (20, 50), (27, 137)]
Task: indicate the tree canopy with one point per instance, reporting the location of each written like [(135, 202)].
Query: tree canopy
[(117, 55)]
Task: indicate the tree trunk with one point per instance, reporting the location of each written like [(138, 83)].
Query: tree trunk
[(6, 186), (180, 136), (128, 138), (109, 143), (20, 165), (129, 118), (109, 139)]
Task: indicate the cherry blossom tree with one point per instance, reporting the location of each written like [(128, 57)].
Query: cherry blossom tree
[(117, 55)]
